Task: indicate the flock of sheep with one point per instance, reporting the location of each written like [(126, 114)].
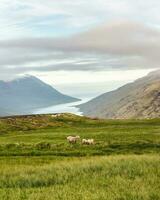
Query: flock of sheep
[(74, 139)]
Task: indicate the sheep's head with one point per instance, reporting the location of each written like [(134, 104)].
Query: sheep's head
[(84, 141), (69, 137)]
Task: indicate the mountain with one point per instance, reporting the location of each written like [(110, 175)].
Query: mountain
[(140, 99), (23, 95)]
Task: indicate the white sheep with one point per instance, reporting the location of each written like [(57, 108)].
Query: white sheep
[(56, 115), (73, 139), (84, 141), (88, 141), (91, 141)]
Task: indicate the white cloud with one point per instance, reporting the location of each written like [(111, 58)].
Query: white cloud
[(23, 18), (65, 77), (117, 45)]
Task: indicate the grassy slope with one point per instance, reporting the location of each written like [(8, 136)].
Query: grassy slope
[(110, 178), (30, 171), (41, 135)]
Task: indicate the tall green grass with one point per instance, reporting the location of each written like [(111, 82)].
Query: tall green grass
[(109, 178)]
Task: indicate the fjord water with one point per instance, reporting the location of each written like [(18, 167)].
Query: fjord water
[(62, 108), (85, 92)]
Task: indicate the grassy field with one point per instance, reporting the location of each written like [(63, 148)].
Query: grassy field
[(36, 162)]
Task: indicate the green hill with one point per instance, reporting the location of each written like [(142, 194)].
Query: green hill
[(46, 135), (36, 161)]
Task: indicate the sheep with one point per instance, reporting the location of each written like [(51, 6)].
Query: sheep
[(73, 139), (84, 141), (88, 141), (56, 115), (91, 141)]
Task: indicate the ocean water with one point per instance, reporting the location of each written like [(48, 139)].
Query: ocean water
[(62, 108)]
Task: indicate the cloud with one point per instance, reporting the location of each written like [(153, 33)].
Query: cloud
[(116, 45), (52, 18), (67, 36)]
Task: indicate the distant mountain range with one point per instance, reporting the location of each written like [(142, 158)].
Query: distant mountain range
[(140, 99), (23, 95)]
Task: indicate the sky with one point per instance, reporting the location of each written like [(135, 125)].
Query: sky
[(83, 47)]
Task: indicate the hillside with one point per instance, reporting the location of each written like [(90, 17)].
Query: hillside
[(22, 95), (140, 99), (46, 135), (37, 162)]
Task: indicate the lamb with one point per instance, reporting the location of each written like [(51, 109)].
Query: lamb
[(88, 141), (73, 139)]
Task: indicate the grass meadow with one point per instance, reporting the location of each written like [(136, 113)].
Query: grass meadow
[(37, 163)]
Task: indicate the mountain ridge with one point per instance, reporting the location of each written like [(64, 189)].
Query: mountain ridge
[(23, 95), (139, 99)]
